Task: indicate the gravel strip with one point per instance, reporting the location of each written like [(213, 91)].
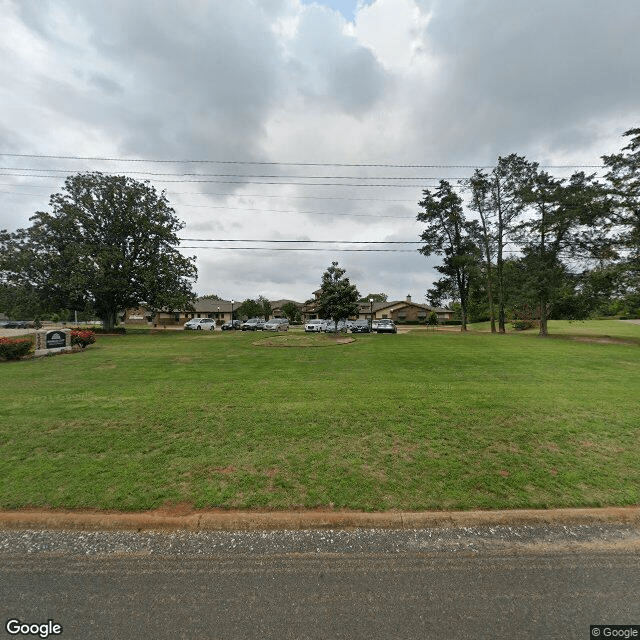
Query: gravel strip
[(424, 541)]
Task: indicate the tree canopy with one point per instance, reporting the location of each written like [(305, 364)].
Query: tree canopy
[(448, 232), (292, 311), (109, 243), (338, 298), (376, 297)]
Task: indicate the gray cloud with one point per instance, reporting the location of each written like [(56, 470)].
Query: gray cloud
[(514, 72), (274, 80)]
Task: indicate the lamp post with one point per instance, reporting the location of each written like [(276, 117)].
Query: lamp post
[(371, 315), (232, 313), (218, 320)]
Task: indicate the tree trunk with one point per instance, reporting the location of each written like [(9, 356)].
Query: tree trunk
[(463, 306), (490, 295), (500, 265), (109, 320), (543, 317)]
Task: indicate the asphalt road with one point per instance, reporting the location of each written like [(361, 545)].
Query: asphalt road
[(489, 582)]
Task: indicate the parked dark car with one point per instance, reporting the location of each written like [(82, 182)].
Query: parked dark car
[(386, 326), (231, 326), (16, 324), (360, 326), (250, 325)]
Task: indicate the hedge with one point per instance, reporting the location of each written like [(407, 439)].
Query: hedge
[(82, 337), (15, 348)]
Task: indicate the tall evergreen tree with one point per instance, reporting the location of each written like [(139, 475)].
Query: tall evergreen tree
[(624, 180), (448, 234), (563, 216)]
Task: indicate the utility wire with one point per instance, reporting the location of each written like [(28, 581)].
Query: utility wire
[(237, 175), (217, 193), (288, 164), (306, 241), (241, 182), (300, 249), (320, 213)]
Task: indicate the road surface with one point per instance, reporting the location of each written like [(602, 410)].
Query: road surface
[(484, 582)]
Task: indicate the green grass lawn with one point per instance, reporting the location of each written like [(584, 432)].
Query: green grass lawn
[(615, 329), (422, 420)]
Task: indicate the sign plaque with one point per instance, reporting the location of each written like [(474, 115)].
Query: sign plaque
[(55, 340)]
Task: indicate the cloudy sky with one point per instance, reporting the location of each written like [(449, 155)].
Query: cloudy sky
[(288, 100)]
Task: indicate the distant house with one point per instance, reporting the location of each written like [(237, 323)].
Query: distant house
[(403, 311), (220, 310), (276, 307), (398, 310)]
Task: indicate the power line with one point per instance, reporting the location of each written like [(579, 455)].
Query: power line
[(236, 175), (320, 213), (218, 193), (300, 249), (242, 182), (305, 241), (288, 164)]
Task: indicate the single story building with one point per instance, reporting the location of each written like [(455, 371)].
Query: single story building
[(220, 310), (403, 311)]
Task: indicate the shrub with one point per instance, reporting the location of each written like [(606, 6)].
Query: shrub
[(15, 348), (523, 318), (522, 324), (82, 337), (119, 330)]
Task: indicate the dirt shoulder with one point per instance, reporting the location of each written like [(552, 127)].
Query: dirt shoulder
[(182, 517)]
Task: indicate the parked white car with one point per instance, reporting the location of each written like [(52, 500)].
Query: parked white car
[(208, 324), (277, 324), (314, 326)]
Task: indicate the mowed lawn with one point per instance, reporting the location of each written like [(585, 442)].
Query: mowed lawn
[(422, 420)]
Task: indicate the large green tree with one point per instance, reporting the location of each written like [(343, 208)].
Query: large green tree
[(565, 220), (449, 233), (338, 298), (250, 308), (292, 311), (624, 180), (496, 197), (109, 242)]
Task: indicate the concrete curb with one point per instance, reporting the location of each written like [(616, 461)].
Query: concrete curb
[(165, 520)]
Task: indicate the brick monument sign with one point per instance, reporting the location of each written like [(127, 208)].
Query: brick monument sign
[(52, 341)]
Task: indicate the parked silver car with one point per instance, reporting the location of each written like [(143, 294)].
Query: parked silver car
[(209, 324), (332, 327), (277, 324), (386, 326)]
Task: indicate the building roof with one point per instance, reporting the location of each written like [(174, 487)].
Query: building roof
[(399, 304)]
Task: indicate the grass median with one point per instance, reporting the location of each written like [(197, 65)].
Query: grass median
[(415, 421)]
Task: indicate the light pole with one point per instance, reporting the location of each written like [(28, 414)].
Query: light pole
[(218, 315), (232, 314), (371, 315)]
